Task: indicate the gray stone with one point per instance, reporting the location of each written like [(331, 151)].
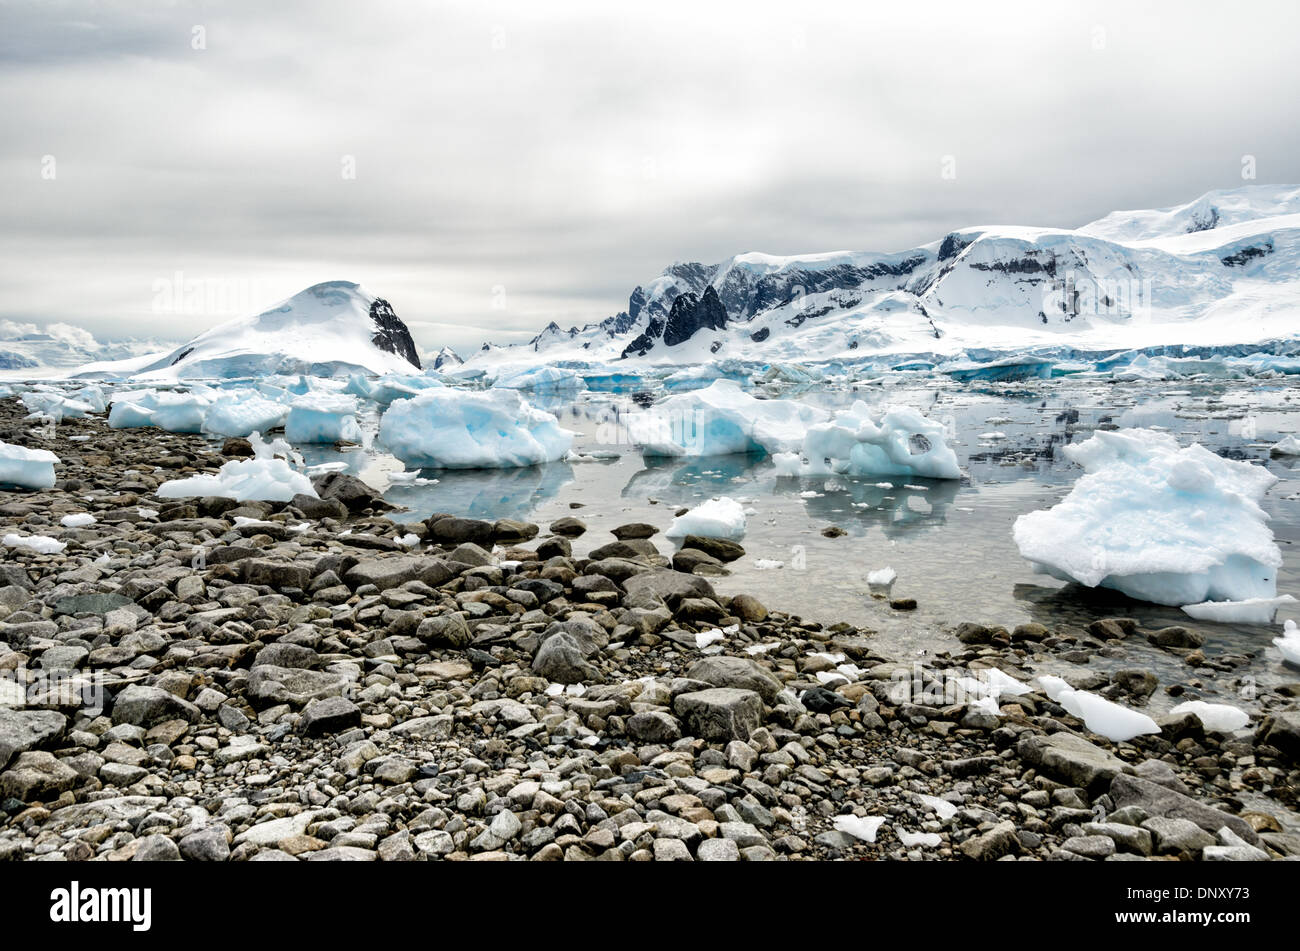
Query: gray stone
[(1160, 801), (738, 672), (270, 684), (654, 726), (718, 850), (445, 630), (562, 661), (23, 730), (144, 706), (385, 573), (36, 775), (722, 713), (209, 844), (156, 848), (1071, 758), (331, 715)]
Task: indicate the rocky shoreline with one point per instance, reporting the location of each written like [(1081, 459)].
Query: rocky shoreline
[(209, 680)]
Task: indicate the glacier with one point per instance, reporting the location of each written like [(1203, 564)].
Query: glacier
[(1157, 522), (471, 429)]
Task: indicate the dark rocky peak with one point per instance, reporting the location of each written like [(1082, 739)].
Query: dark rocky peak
[(691, 314), (391, 334)]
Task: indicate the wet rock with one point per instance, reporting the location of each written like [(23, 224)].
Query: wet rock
[(722, 549), (451, 530), (354, 494), (569, 526), (509, 531), (36, 776), (748, 608), (1176, 636)]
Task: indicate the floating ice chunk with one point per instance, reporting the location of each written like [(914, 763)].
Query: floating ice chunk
[(1219, 717), (461, 429), (1250, 611), (323, 418), (882, 577), (1111, 720), (1287, 446), (538, 378), (1159, 523), (942, 808), (689, 378), (174, 412), (719, 420), (768, 564), (265, 477), (241, 413), (1289, 643), (390, 387), (409, 540), (26, 468), (43, 544), (993, 437), (717, 518), (988, 704), (913, 840), (762, 648), (860, 827), (79, 520), (897, 441)]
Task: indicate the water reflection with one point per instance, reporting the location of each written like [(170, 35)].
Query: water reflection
[(894, 505), (482, 493)]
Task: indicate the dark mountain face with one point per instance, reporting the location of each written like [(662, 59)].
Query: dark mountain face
[(391, 334), (689, 315)]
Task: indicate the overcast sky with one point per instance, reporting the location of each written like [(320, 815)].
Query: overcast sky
[(520, 162)]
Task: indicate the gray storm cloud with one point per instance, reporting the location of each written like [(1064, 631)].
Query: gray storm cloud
[(489, 167)]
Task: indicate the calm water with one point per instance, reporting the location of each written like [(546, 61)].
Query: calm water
[(949, 542)]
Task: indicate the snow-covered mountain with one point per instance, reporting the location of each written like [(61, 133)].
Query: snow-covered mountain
[(27, 346), (328, 329), (1221, 270)]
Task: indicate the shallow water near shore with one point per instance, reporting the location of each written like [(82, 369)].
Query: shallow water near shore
[(949, 542)]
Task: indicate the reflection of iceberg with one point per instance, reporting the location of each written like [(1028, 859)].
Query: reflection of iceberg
[(706, 477), (857, 505), (482, 493)]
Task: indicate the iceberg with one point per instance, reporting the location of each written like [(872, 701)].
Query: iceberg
[(1158, 523), (538, 378), (1219, 717), (41, 404), (450, 428), (174, 412), (26, 468), (719, 420), (717, 518), (898, 441), (323, 418), (266, 477), (696, 377), (1286, 446), (243, 412)]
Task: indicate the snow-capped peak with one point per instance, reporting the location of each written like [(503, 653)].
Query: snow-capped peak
[(328, 329)]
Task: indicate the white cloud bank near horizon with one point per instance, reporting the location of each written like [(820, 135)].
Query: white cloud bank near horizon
[(517, 163)]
